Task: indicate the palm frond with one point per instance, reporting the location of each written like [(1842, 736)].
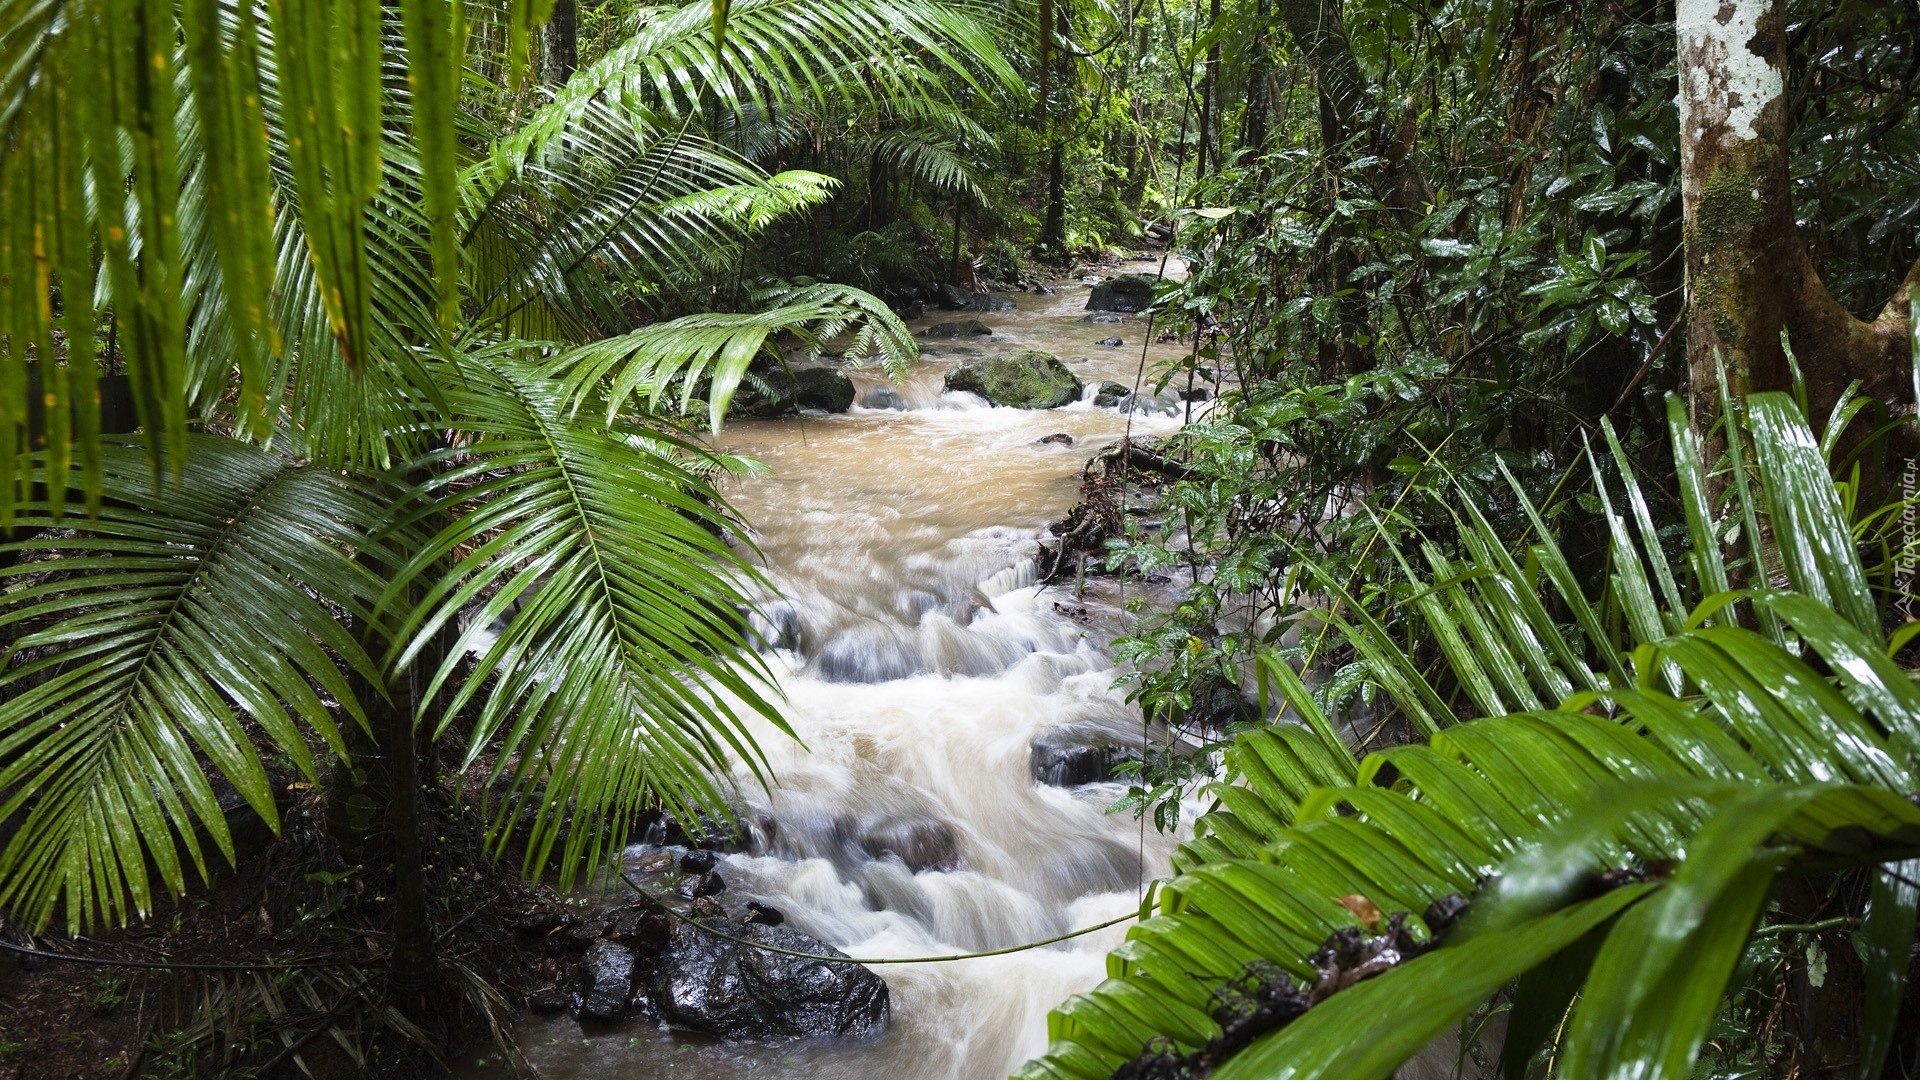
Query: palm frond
[(97, 96), (1725, 755), (709, 353), (621, 674), (616, 200), (776, 51), (929, 160), (162, 647)]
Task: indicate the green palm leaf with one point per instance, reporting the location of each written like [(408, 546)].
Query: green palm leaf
[(710, 353), (622, 676), (166, 643), (614, 198), (778, 51), (1731, 758), (100, 95)]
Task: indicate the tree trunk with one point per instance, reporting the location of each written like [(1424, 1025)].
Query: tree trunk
[(953, 264), (1053, 235), (878, 190), (410, 964), (1319, 33), (1209, 93), (563, 42), (1748, 274), (1253, 132)]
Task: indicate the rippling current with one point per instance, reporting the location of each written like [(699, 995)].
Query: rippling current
[(919, 661)]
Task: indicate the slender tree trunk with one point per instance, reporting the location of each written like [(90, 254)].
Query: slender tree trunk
[(1140, 157), (411, 963), (953, 263), (877, 191), (1253, 132), (1748, 274), (1209, 78), (563, 42), (1053, 235)]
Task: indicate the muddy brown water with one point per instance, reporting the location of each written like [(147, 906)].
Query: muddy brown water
[(919, 661)]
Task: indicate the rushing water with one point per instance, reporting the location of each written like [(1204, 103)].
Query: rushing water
[(919, 661)]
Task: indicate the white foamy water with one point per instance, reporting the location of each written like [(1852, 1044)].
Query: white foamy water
[(919, 661)]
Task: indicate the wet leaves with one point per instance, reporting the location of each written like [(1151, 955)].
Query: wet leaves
[(1262, 998)]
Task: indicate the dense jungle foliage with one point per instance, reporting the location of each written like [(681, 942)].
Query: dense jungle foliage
[(1553, 512)]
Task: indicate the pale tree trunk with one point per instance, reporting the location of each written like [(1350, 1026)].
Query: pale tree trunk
[(1748, 274)]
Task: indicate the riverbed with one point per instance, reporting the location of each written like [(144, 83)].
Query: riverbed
[(919, 661)]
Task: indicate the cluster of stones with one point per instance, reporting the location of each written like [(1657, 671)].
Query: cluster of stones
[(702, 967)]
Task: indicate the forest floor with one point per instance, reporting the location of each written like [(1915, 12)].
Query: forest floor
[(274, 971)]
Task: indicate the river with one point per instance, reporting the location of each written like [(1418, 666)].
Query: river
[(920, 663)]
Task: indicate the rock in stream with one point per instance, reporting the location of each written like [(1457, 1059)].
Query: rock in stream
[(1127, 292), (711, 985), (641, 959), (1028, 379)]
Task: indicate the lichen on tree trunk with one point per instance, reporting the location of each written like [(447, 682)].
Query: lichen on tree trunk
[(1748, 274), (1732, 179)]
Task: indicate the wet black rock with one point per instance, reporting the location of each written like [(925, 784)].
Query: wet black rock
[(706, 907), (1111, 342), (965, 328), (1443, 913), (581, 935), (763, 394), (550, 1003), (884, 397), (734, 991), (1069, 759), (775, 391), (1059, 437), (698, 861), (707, 884), (644, 930), (1043, 290), (1217, 704), (762, 914), (705, 831), (951, 298), (539, 922), (988, 303), (1127, 292), (606, 981), (1198, 393), (826, 389), (1112, 395), (920, 843)]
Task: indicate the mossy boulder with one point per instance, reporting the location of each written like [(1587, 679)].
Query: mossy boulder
[(1127, 292), (1029, 379)]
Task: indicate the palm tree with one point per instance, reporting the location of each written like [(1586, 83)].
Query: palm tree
[(1650, 765), (410, 459)]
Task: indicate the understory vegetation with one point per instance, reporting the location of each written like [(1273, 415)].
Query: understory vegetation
[(1552, 511), (1523, 569)]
